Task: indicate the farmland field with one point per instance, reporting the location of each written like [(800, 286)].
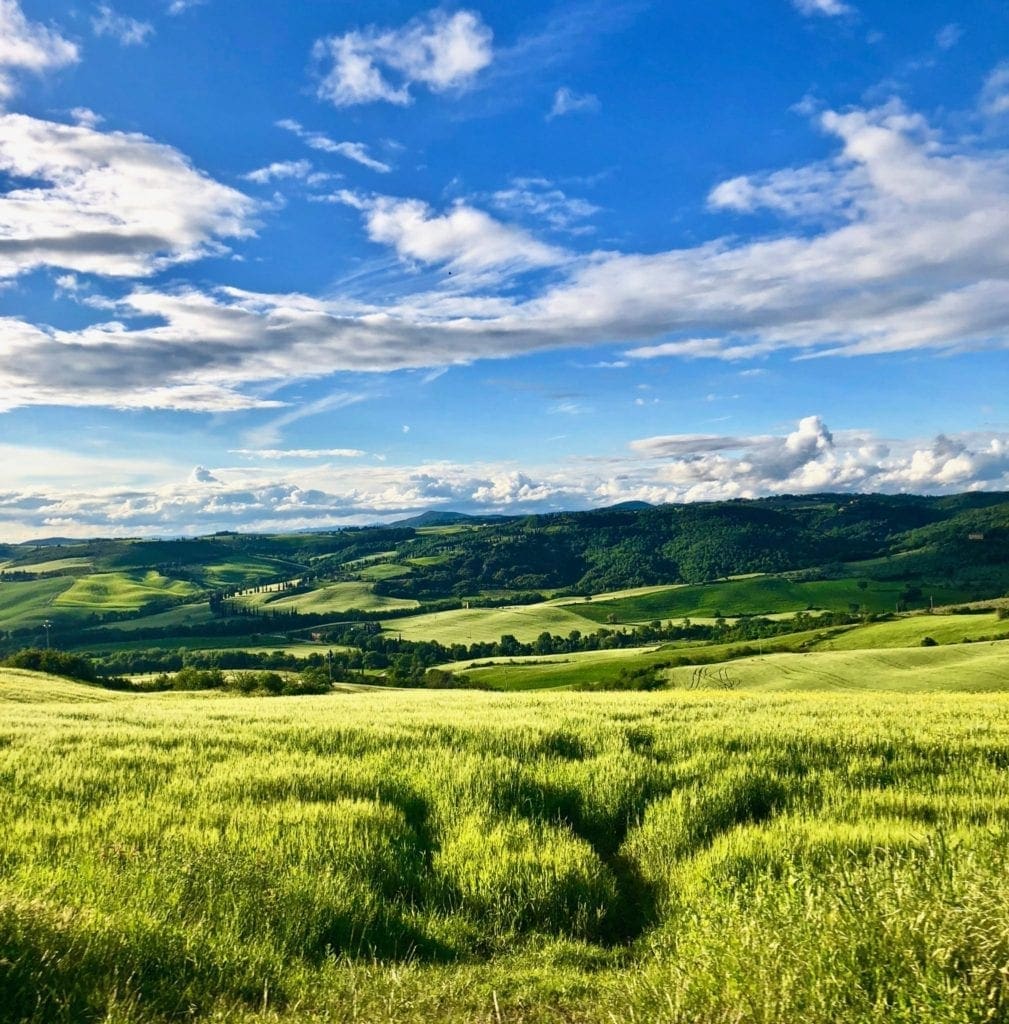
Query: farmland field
[(421, 856), (907, 632), (970, 668), (465, 625)]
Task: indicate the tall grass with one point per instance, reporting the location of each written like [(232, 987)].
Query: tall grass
[(402, 856)]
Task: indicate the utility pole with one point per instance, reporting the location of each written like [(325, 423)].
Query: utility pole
[(48, 627)]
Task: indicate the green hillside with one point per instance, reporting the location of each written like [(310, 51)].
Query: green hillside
[(911, 630), (974, 668), (19, 686)]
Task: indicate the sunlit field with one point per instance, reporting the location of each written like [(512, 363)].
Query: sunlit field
[(690, 855)]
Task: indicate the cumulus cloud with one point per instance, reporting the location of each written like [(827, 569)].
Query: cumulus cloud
[(125, 30), (356, 151), (440, 51), (28, 46), (825, 8), (170, 500), (812, 458), (107, 203), (567, 101)]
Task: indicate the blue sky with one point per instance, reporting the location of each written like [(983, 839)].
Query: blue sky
[(270, 266)]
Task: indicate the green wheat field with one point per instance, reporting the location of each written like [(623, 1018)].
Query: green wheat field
[(373, 855)]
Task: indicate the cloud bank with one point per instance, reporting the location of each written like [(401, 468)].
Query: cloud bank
[(810, 458), (899, 243)]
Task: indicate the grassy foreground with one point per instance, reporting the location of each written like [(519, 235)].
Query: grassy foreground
[(458, 856)]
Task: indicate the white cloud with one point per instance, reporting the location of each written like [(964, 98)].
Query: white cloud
[(125, 30), (28, 46), (566, 101), (300, 169), (811, 458), (827, 8), (356, 151), (816, 191), (920, 261), (464, 239), (441, 51), (181, 6), (107, 202), (86, 117), (544, 200), (995, 94)]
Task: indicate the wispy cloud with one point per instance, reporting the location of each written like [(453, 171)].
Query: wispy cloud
[(356, 151), (994, 100), (125, 30), (299, 169), (545, 201), (948, 36), (567, 101), (300, 453), (440, 51), (825, 8)]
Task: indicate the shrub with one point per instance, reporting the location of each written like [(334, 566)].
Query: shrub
[(928, 641)]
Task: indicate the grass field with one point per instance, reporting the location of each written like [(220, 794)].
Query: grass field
[(29, 602), (20, 687), (467, 625), (182, 615), (384, 571), (910, 631), (370, 856), (244, 571), (968, 668), (595, 667), (120, 591), (338, 597), (754, 595)]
